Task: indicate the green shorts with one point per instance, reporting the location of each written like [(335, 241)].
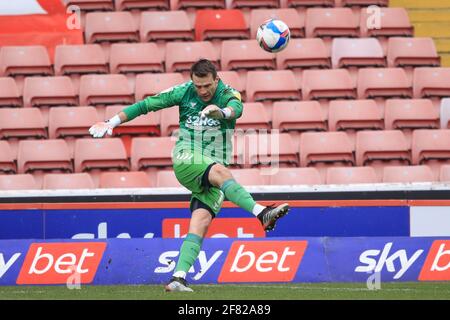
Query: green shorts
[(189, 167)]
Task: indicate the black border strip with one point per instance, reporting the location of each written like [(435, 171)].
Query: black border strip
[(320, 195)]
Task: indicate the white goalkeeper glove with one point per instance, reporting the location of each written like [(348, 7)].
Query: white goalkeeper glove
[(100, 129), (214, 112)]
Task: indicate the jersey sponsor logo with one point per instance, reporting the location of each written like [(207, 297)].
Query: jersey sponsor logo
[(262, 261), (56, 263), (437, 263), (219, 228), (197, 121)]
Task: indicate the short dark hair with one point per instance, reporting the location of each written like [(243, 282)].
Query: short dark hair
[(202, 68)]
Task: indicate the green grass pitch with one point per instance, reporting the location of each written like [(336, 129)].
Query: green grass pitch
[(287, 291)]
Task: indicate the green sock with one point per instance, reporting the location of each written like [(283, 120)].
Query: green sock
[(189, 252), (238, 195)]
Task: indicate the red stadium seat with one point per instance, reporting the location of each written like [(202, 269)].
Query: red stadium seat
[(18, 182), (25, 60), (122, 5), (7, 158), (304, 53), (445, 173), (445, 113), (272, 85), (382, 148), (151, 152), (100, 154), (364, 52), (105, 89), (254, 117), (22, 123), (245, 54), (49, 91), (220, 24), (298, 116), (181, 55), (67, 181), (322, 149), (124, 180), (135, 58), (411, 114), (9, 93), (412, 52), (272, 149), (296, 176), (197, 4), (80, 59), (167, 179), (165, 25), (43, 155), (232, 79), (147, 124), (351, 175), (110, 27), (327, 84), (383, 83), (354, 115), (393, 22), (248, 177), (290, 16), (71, 121), (408, 174), (431, 82), (170, 121), (331, 22), (432, 148), (151, 84), (91, 5)]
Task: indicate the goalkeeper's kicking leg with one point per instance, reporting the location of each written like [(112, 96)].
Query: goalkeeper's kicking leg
[(218, 176)]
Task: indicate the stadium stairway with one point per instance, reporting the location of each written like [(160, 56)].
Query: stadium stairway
[(430, 18)]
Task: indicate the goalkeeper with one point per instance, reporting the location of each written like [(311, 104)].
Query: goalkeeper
[(208, 111)]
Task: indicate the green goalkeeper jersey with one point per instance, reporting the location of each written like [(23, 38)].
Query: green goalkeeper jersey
[(210, 137)]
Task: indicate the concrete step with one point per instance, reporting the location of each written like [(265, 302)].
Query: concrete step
[(432, 29), (429, 15), (420, 4), (445, 60), (442, 45)]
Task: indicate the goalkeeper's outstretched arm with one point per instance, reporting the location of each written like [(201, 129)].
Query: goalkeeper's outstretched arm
[(165, 99)]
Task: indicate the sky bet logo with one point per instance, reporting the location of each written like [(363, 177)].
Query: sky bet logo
[(435, 268), (246, 261), (262, 261), (54, 263)]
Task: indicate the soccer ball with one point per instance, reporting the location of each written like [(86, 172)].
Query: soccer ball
[(273, 35)]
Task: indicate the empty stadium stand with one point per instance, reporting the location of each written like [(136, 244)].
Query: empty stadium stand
[(347, 101)]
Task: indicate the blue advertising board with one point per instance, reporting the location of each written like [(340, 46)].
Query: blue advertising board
[(148, 223), (281, 260)]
